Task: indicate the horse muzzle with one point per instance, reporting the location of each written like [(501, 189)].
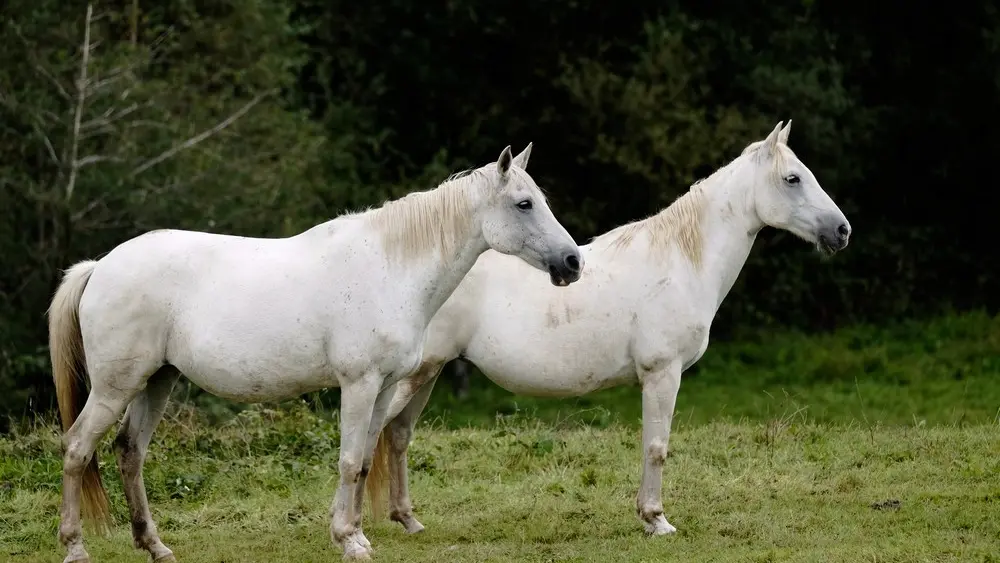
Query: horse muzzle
[(567, 269)]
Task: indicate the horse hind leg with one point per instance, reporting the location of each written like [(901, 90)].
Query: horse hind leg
[(81, 480), (398, 435), (131, 446)]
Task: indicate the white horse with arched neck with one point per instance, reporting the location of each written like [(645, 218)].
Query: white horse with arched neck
[(642, 311), (344, 304)]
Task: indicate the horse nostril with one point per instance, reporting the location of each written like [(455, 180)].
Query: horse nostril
[(843, 230), (573, 263)]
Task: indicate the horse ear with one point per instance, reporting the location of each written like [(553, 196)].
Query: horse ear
[(771, 142), (521, 160), (503, 164), (783, 134)]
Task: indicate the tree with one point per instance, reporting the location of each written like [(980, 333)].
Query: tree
[(112, 138)]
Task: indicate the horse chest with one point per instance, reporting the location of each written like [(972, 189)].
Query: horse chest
[(658, 344), (699, 349), (691, 342)]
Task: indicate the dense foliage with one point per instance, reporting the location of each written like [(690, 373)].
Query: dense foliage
[(319, 107)]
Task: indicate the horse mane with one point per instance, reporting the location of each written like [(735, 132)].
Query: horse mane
[(424, 221), (679, 224)]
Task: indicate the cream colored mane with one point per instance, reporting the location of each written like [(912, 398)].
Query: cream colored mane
[(427, 221), (679, 225)]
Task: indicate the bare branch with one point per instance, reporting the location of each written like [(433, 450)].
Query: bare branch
[(161, 39), (97, 131), (201, 136), (48, 144), (103, 119), (146, 123), (95, 158), (87, 209), (81, 92), (105, 82), (109, 117), (127, 111), (37, 65), (119, 72), (59, 87)]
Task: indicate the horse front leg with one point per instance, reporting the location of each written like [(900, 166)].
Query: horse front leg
[(659, 394), (357, 403), (382, 405)]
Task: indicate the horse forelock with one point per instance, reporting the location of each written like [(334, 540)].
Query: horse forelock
[(778, 159)]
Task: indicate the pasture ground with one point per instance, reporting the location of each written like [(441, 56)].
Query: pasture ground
[(862, 445)]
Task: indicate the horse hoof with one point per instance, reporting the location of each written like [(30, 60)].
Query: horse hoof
[(357, 548), (359, 554), (410, 524), (660, 527)]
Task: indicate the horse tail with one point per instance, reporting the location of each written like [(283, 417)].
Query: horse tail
[(378, 476), (69, 372)]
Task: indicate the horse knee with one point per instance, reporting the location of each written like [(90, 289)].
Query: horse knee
[(352, 469), (76, 456), (657, 451)]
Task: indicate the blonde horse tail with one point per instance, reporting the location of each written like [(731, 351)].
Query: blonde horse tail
[(69, 372), (378, 477)]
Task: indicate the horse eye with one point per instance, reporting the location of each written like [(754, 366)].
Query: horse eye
[(524, 205), (792, 179)]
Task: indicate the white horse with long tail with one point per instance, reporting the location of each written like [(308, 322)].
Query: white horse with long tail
[(641, 312), (344, 304)]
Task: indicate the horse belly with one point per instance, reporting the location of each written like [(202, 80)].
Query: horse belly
[(254, 384), (254, 370), (554, 369)]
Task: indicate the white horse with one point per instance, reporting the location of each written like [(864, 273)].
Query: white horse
[(345, 304), (642, 311)]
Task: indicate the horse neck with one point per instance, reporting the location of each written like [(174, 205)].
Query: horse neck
[(443, 278), (729, 229), (435, 237)]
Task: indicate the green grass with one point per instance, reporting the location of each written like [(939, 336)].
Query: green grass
[(258, 488), (863, 445)]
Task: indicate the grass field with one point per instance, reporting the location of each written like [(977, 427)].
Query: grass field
[(863, 445)]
